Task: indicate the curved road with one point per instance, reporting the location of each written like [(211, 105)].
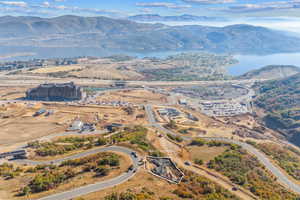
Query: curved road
[(282, 178), (92, 187), (265, 161)]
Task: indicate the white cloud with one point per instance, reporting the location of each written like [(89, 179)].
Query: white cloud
[(46, 4), (276, 5), (163, 5), (14, 3), (203, 2)]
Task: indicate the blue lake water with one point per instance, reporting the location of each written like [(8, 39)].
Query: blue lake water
[(251, 62), (246, 62)]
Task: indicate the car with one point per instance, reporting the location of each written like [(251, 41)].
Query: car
[(134, 154), (130, 168), (187, 163)]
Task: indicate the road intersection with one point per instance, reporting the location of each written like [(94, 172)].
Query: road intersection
[(282, 178)]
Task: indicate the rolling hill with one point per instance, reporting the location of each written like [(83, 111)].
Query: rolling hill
[(281, 99), (272, 72), (124, 35)]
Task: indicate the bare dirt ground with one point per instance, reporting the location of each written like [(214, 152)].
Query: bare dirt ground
[(134, 96), (12, 93), (18, 124), (205, 127)]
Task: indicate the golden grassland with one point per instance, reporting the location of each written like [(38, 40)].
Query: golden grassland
[(47, 70)]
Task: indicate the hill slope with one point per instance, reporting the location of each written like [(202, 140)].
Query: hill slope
[(115, 34), (272, 72), (281, 101)]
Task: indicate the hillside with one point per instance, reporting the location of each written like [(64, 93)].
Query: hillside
[(181, 67), (281, 99), (272, 72), (124, 35)]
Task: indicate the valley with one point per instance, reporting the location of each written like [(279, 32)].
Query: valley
[(146, 124)]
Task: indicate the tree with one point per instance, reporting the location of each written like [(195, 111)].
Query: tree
[(101, 141), (25, 191), (198, 161)]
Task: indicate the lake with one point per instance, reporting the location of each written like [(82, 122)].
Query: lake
[(251, 62), (246, 62)]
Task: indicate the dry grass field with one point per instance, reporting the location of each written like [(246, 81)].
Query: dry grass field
[(18, 124), (205, 153), (142, 180), (134, 96), (12, 93), (54, 69)]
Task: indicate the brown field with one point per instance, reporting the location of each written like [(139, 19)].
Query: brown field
[(134, 96), (205, 153), (9, 188), (18, 124), (206, 126), (142, 180), (12, 93), (54, 69)]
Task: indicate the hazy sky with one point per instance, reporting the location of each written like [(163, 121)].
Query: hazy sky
[(122, 8)]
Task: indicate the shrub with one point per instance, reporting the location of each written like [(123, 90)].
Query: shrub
[(198, 142)]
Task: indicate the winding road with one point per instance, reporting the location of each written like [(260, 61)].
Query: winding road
[(281, 177), (77, 192)]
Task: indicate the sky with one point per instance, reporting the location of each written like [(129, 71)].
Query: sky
[(124, 8)]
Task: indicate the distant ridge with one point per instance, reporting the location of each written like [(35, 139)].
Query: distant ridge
[(183, 18), (125, 35)]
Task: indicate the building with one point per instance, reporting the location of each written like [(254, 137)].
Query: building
[(182, 102), (55, 92), (120, 84), (77, 125), (113, 126)]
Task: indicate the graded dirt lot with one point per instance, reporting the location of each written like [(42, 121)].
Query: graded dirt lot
[(12, 93), (18, 124), (204, 127), (134, 96)]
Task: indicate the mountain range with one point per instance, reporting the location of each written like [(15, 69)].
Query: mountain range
[(129, 36), (180, 18)]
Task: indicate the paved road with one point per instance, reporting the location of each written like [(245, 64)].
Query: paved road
[(25, 80), (93, 187), (282, 178)]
